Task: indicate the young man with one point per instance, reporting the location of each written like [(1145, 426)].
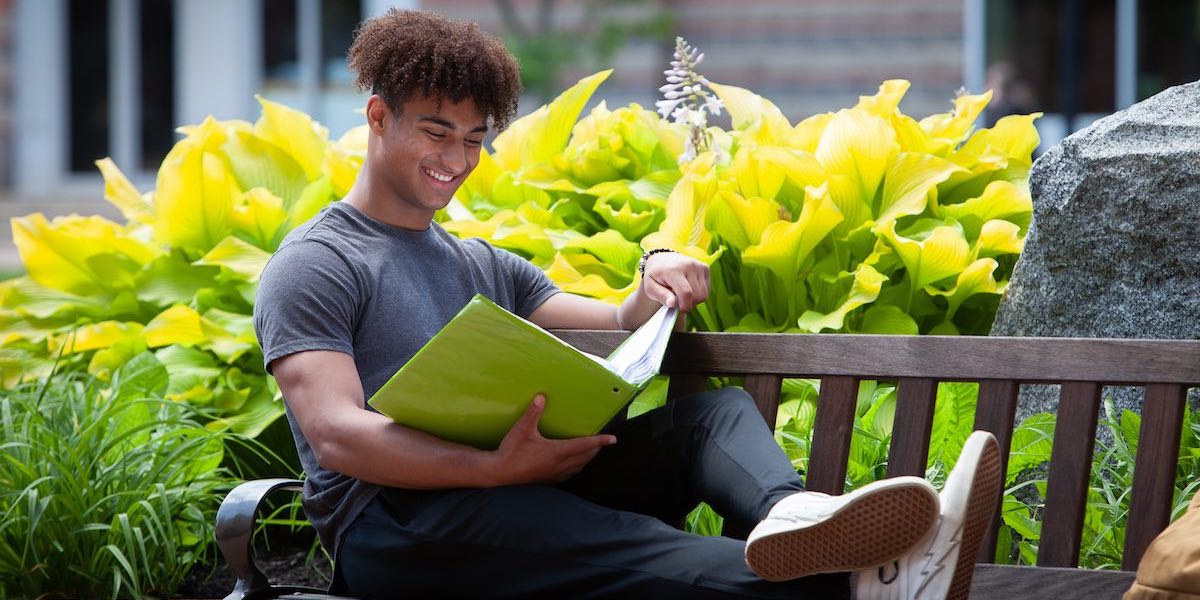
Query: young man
[(352, 294)]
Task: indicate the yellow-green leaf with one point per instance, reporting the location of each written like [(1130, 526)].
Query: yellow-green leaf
[(195, 191), (295, 132), (537, 137), (176, 325), (612, 248), (785, 245), (887, 319), (999, 237), (855, 151), (954, 126), (758, 118), (1000, 200), (977, 278), (864, 289), (259, 214), (741, 221), (79, 255), (121, 193), (940, 255), (237, 256), (908, 182), (885, 102), (92, 337)]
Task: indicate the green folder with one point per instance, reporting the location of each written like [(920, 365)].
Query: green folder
[(474, 379)]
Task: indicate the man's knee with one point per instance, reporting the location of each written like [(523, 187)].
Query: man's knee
[(729, 402)]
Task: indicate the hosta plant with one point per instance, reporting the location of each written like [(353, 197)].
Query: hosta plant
[(863, 220), (178, 278)]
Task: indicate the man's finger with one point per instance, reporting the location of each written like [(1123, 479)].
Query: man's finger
[(658, 292), (679, 285), (583, 445), (533, 413)]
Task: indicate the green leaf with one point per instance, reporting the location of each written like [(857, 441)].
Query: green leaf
[(237, 256), (785, 245), (538, 136), (888, 320), (171, 279), (864, 289), (258, 163), (909, 180), (943, 253), (612, 248)]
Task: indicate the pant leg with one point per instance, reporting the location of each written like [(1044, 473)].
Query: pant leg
[(712, 447), (541, 542)]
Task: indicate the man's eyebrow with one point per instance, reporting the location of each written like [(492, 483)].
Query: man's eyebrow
[(448, 125)]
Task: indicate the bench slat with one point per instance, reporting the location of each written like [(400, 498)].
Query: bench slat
[(909, 454), (1154, 470), (833, 425), (766, 390), (945, 358), (996, 412), (1070, 468)]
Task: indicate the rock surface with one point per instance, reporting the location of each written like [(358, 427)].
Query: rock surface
[(1114, 248)]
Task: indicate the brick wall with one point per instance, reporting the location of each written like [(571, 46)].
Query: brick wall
[(807, 56)]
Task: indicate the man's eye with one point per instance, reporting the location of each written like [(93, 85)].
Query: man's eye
[(436, 135), (471, 142)]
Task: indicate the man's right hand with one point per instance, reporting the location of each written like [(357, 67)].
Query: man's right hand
[(525, 456)]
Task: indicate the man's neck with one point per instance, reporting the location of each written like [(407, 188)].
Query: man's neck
[(384, 207)]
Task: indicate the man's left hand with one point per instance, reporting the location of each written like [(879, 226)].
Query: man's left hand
[(675, 280)]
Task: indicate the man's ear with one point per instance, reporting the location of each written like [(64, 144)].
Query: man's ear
[(378, 114)]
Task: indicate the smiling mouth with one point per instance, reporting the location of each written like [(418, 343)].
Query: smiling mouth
[(438, 176)]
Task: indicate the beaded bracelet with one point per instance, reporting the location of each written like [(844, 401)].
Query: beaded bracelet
[(646, 257)]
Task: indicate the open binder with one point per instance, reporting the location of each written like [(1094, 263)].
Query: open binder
[(474, 379)]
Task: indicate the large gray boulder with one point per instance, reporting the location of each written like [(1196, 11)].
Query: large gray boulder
[(1114, 248)]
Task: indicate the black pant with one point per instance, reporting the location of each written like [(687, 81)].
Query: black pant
[(607, 532)]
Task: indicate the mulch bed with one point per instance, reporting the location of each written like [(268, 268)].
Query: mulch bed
[(285, 558)]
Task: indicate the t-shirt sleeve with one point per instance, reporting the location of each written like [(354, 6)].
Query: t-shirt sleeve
[(307, 299), (531, 287)]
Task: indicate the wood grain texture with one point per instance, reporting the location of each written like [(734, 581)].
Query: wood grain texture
[(1154, 469), (909, 452), (832, 429), (996, 412), (1070, 468), (945, 358), (766, 390)]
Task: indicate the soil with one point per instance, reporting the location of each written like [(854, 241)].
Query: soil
[(290, 559)]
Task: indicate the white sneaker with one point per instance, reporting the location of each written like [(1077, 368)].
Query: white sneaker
[(810, 532), (941, 565)]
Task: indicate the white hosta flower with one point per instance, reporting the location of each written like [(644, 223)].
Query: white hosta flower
[(687, 99)]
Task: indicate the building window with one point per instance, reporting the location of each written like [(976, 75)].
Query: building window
[(95, 105), (1169, 45), (304, 58), (87, 78)]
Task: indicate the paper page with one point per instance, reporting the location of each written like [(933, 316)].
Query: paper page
[(639, 357)]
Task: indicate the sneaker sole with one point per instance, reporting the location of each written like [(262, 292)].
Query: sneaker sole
[(981, 506), (871, 530)]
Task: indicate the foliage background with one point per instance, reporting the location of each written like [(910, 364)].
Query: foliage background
[(860, 220)]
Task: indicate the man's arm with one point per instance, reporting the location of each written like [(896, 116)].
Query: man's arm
[(671, 279), (322, 389)]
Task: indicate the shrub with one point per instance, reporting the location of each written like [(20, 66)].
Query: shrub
[(106, 490)]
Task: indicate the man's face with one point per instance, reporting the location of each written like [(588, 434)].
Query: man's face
[(428, 149)]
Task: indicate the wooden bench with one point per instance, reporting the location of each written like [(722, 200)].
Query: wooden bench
[(1165, 368)]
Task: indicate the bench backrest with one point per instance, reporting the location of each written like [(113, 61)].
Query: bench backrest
[(1165, 368)]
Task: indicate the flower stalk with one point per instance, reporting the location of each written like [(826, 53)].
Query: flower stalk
[(688, 100)]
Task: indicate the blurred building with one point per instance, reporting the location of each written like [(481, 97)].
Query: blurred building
[(84, 79)]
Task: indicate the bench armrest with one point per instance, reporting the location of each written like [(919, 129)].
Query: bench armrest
[(236, 519)]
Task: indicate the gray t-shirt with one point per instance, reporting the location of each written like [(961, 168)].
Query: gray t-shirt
[(345, 282)]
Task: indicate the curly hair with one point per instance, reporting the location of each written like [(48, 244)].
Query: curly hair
[(409, 53)]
